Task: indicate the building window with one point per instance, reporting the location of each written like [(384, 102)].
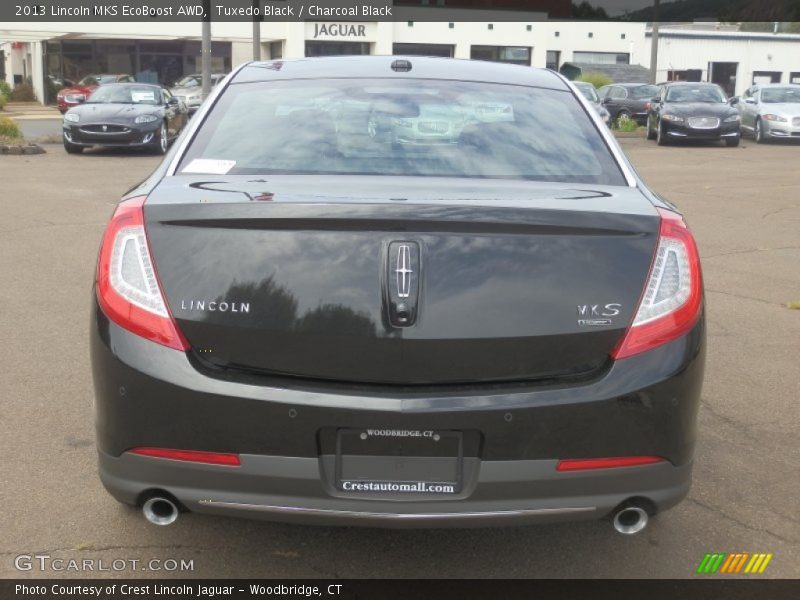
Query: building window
[(766, 77), (602, 58), (518, 55), (451, 25), (622, 36), (591, 34), (445, 50), (336, 48), (275, 50), (685, 75), (794, 77), (411, 23), (529, 27), (490, 26), (558, 33), (553, 60)]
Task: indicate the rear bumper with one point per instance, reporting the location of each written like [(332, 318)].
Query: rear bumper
[(301, 490), (149, 395)]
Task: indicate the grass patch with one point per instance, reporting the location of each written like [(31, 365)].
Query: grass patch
[(626, 124)]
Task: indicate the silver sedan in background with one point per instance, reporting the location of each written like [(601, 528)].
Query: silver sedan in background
[(771, 111), (590, 93), (190, 89)]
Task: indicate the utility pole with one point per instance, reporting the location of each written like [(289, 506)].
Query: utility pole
[(256, 30), (205, 48), (654, 43)]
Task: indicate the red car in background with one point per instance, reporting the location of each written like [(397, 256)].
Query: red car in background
[(78, 93)]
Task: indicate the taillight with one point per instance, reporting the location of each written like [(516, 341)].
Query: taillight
[(127, 283), (672, 300)]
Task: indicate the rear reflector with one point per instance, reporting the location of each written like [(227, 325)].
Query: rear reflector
[(588, 464), (127, 283), (673, 297), (209, 458)]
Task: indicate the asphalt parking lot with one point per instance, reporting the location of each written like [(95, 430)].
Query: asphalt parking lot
[(744, 206)]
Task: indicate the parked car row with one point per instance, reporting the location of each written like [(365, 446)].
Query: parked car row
[(188, 89), (701, 111), (112, 110)]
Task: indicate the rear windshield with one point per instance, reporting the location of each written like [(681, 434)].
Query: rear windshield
[(413, 127), (643, 92)]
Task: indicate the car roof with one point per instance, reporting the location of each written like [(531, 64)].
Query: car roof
[(768, 85), (681, 83), (423, 67)]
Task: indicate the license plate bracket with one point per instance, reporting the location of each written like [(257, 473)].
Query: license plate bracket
[(394, 461)]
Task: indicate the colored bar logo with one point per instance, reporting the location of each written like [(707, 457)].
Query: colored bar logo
[(734, 563)]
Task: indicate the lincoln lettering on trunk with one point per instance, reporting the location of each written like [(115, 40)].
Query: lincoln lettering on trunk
[(215, 306)]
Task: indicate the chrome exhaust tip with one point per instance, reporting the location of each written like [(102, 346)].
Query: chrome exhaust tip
[(160, 511), (631, 520)]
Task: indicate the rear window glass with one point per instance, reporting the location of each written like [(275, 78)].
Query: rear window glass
[(644, 92), (413, 127)]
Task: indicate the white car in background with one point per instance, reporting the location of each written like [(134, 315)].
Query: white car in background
[(590, 93), (189, 89), (771, 111)]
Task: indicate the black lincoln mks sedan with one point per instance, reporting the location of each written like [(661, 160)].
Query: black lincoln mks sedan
[(125, 115), (474, 313), (692, 111)]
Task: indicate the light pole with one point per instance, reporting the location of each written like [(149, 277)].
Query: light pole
[(654, 44), (205, 48), (256, 30)]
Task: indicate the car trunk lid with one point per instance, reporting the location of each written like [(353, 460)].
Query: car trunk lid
[(301, 276)]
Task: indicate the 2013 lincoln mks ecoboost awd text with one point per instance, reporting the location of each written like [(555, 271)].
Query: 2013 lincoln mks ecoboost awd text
[(402, 292)]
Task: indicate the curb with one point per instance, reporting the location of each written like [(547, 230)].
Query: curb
[(21, 149)]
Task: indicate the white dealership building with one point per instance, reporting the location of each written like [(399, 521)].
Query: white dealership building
[(50, 55)]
